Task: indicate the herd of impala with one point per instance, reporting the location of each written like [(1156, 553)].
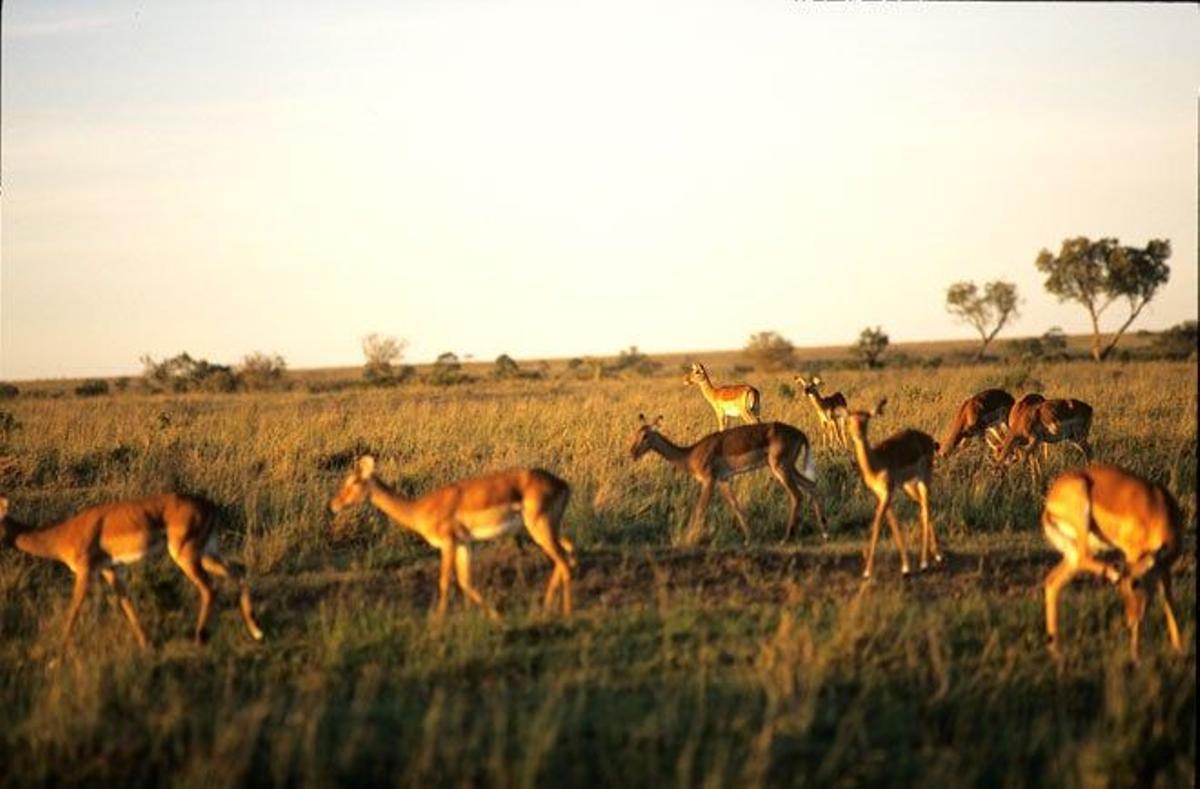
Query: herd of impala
[(1088, 511)]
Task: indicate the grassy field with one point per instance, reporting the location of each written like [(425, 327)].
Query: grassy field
[(713, 666)]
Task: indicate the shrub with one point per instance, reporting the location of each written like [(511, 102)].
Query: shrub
[(8, 391), (770, 351), (182, 373), (506, 367), (93, 387), (447, 371), (870, 346), (260, 371), (381, 354)]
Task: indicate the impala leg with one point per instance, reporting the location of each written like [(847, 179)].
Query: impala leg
[(445, 570), (898, 539), (696, 522), (188, 559), (560, 578), (809, 489), (926, 525), (875, 523), (1164, 588), (215, 565), (1135, 607), (727, 492), (82, 578), (462, 571), (118, 586), (1055, 581)]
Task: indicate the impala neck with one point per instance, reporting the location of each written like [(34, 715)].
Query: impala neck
[(672, 453), (31, 540), (391, 503), (706, 385), (863, 452)]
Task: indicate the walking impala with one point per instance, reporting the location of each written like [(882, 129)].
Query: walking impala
[(100, 539), (984, 414), (741, 400), (1104, 508), (457, 515), (1035, 420), (718, 457), (904, 461), (831, 411)]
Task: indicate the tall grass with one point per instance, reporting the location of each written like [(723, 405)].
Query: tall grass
[(715, 666)]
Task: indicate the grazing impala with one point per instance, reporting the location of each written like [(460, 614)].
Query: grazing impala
[(457, 515), (905, 461), (718, 457), (984, 414), (831, 411), (739, 400), (100, 539), (1104, 508), (1035, 420)]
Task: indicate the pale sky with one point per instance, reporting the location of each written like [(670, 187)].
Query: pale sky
[(569, 178)]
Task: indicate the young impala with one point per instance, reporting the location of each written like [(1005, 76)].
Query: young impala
[(904, 461), (718, 457), (984, 414), (1035, 420), (454, 517), (1104, 508), (739, 400), (100, 539), (831, 411)]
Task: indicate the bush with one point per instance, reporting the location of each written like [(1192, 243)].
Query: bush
[(447, 371), (93, 387), (9, 391), (1177, 342), (770, 351), (260, 371), (381, 354), (506, 367), (182, 373), (870, 346)]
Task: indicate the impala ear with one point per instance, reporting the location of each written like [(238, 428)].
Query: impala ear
[(642, 418), (816, 380), (800, 379), (878, 410), (365, 467), (658, 421)]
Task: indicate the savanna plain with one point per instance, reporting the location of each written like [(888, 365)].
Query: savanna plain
[(723, 664)]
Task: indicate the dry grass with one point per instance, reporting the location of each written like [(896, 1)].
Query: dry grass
[(713, 666)]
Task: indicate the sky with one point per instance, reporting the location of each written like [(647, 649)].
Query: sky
[(553, 179)]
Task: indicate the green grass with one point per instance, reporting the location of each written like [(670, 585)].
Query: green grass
[(712, 666)]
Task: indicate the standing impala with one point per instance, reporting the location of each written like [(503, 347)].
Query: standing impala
[(457, 515), (718, 457), (1104, 508), (100, 539), (1035, 420), (741, 400), (831, 411), (984, 414), (903, 461)]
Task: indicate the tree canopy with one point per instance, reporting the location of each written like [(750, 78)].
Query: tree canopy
[(988, 311)]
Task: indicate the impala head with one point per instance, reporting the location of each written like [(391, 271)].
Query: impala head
[(642, 438), (354, 488), (857, 420), (809, 386), (696, 374)]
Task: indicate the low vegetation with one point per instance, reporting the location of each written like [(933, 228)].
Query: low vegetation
[(714, 665)]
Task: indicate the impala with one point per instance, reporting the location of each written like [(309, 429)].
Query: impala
[(1104, 508), (100, 539), (905, 461), (984, 414), (1035, 420), (718, 457), (831, 411), (739, 400), (454, 517)]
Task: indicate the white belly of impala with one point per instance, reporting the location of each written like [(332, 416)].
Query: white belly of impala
[(495, 522)]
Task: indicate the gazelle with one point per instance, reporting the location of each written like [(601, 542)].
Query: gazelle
[(741, 400), (1035, 420), (718, 457), (983, 414), (453, 517), (100, 539), (1101, 508), (904, 461), (831, 410)]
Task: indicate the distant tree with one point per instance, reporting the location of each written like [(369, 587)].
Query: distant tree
[(1054, 341), (870, 346), (382, 353), (770, 351), (987, 311), (261, 371), (182, 373), (1179, 341), (506, 367), (1097, 273), (447, 370)]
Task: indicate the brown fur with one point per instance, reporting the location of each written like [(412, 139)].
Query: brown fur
[(983, 412)]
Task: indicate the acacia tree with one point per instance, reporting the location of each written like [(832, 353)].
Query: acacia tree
[(381, 353), (1097, 273), (988, 311), (871, 345)]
